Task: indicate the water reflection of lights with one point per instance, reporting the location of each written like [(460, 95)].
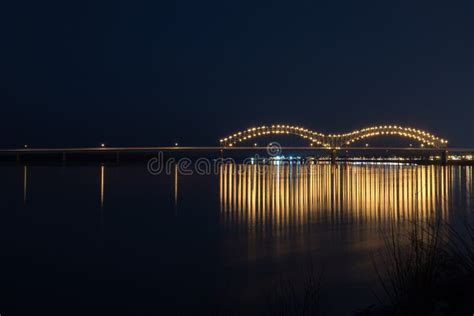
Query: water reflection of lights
[(292, 195), (102, 185), (176, 179), (25, 183)]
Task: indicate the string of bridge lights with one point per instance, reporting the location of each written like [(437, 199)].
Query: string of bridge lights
[(334, 140)]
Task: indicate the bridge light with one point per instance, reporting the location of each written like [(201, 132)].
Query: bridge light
[(255, 144), (26, 146), (176, 144), (102, 145)]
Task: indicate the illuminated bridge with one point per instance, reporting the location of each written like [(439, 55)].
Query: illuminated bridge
[(335, 140)]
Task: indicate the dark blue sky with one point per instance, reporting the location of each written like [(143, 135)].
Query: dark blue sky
[(150, 73)]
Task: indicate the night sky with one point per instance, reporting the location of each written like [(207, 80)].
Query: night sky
[(78, 73)]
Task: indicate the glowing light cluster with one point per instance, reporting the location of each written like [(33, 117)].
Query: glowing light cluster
[(423, 137), (242, 136), (335, 140)]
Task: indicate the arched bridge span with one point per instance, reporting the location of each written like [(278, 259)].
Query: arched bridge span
[(334, 140)]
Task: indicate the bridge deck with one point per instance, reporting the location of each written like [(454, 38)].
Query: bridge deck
[(218, 149)]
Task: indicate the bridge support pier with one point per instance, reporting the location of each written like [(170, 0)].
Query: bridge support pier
[(333, 156), (444, 157), (117, 158)]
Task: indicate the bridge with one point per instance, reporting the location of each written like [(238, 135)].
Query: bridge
[(335, 140), (336, 147)]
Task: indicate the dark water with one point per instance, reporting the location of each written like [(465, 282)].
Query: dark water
[(106, 239)]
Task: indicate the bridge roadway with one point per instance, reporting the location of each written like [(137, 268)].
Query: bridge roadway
[(407, 154), (153, 149)]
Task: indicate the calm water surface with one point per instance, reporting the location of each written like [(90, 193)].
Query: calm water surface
[(114, 239)]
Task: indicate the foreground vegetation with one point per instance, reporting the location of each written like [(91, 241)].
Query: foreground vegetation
[(426, 269)]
